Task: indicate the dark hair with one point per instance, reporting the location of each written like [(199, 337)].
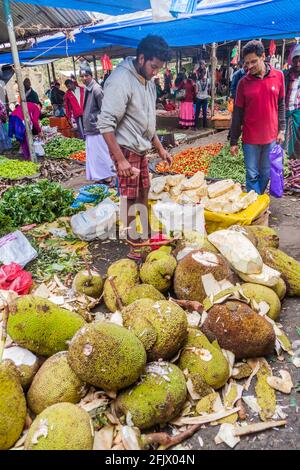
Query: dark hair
[(154, 46), (86, 70), (57, 83), (68, 82), (255, 47)]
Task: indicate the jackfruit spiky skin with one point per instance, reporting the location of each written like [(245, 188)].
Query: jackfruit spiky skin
[(158, 270), (125, 276), (63, 426), (41, 326), (287, 266), (88, 284), (187, 278), (166, 327), (262, 293), (27, 364), (239, 329), (157, 398), (107, 355), (214, 372), (142, 291), (12, 406), (55, 382), (266, 237), (280, 288)]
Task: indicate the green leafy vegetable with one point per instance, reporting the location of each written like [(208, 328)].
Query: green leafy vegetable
[(15, 169), (61, 147)]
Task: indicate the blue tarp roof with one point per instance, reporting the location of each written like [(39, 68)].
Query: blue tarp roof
[(270, 19)]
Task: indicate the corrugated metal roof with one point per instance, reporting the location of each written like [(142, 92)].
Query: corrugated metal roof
[(33, 21)]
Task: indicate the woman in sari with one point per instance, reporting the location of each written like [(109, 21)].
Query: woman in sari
[(186, 111), (17, 126)]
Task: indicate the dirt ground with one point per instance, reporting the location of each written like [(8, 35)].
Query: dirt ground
[(285, 217)]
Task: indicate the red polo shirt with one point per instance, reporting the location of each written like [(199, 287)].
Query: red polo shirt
[(259, 100)]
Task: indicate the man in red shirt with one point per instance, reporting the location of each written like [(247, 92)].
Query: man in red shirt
[(74, 99), (260, 109)]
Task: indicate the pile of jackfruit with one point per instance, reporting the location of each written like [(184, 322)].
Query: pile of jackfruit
[(182, 327)]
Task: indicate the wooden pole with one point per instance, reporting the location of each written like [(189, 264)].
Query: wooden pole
[(213, 76), (283, 53), (74, 66), (17, 66), (177, 63), (95, 68), (239, 49), (228, 67), (53, 71), (49, 76)]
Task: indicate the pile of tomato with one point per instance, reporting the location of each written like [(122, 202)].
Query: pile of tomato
[(80, 156), (191, 160)]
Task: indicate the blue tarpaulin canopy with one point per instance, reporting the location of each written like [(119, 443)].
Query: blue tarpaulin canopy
[(230, 21)]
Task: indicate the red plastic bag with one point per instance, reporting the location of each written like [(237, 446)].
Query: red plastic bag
[(13, 277)]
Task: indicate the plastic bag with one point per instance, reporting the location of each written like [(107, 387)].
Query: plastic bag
[(39, 148), (276, 175), (180, 218), (86, 197), (96, 222), (15, 248), (13, 277)]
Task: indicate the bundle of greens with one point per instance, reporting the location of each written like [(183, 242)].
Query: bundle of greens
[(36, 203), (16, 169), (61, 147)]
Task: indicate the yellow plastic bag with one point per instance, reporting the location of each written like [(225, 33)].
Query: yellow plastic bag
[(217, 221)]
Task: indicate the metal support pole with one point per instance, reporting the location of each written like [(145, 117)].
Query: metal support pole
[(239, 49), (177, 64), (95, 68), (213, 76), (53, 72), (283, 53), (228, 67), (74, 66), (49, 76), (17, 66)]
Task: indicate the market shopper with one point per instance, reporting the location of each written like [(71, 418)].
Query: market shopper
[(292, 86), (202, 96), (260, 109), (57, 100), (186, 110), (31, 95), (99, 166), (5, 142), (73, 100), (237, 76), (127, 122), (17, 127)]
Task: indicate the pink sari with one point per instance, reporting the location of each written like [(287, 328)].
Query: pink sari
[(34, 114)]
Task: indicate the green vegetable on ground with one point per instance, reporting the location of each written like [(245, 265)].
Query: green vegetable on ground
[(226, 166), (36, 203), (61, 147), (15, 169)]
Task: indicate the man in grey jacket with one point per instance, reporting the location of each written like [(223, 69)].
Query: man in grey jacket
[(99, 166), (128, 122)]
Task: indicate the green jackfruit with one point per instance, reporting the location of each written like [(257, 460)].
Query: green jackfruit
[(158, 270), (27, 364), (41, 326), (280, 288), (266, 237), (202, 359), (125, 276), (196, 241), (239, 329), (156, 399), (63, 426), (187, 279), (262, 293), (161, 326), (206, 404), (287, 266), (55, 382), (90, 284), (142, 291), (12, 406), (107, 355)]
